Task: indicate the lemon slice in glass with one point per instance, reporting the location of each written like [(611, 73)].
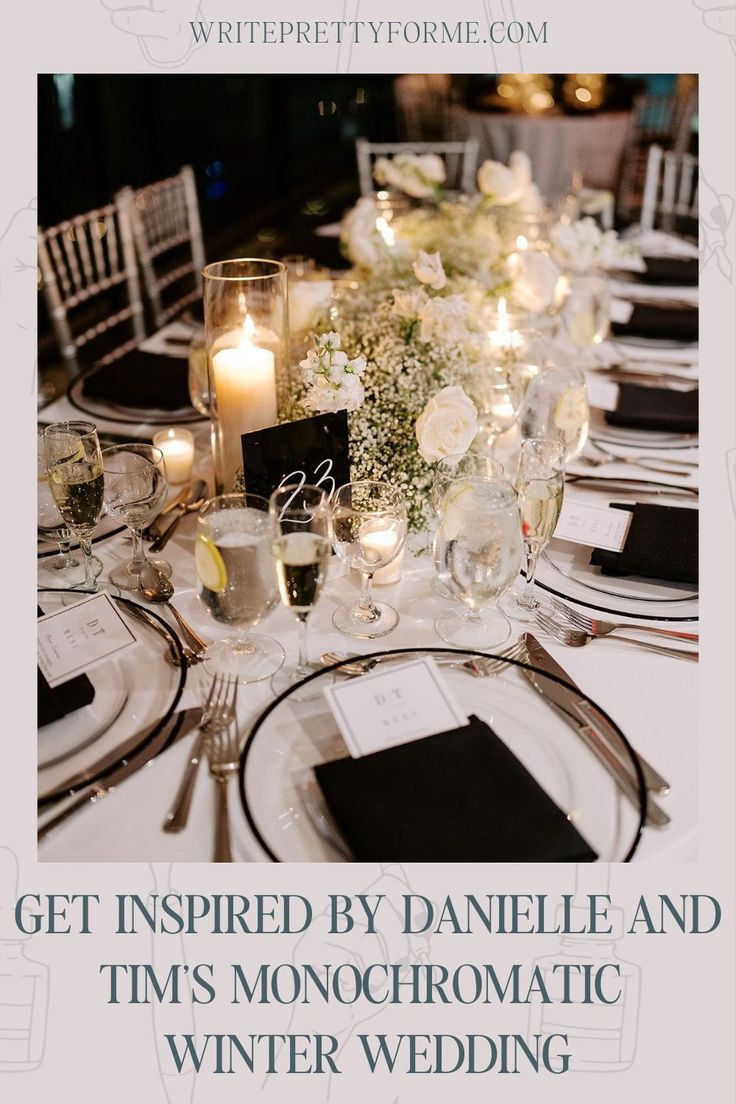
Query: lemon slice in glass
[(209, 564), (571, 411), (456, 501)]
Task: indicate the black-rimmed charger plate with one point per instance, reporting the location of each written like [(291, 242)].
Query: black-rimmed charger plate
[(288, 738)]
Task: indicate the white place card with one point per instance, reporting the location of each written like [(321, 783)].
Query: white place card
[(596, 526), (393, 706), (78, 637), (621, 311), (602, 393)]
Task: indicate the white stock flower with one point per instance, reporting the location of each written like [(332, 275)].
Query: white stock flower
[(444, 320), (447, 425), (428, 270), (333, 381), (535, 277)]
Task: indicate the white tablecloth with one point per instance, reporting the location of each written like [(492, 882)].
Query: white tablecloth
[(558, 145)]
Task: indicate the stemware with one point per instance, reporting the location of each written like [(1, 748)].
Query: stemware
[(586, 313), (199, 387), (368, 527), (136, 485), (237, 584), (540, 486), (74, 466), (556, 405), (301, 553), (477, 552), (474, 465), (499, 395), (62, 571)]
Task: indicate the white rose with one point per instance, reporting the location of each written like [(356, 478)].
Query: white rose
[(432, 167), (535, 277), (447, 425), (362, 241), (428, 270), (444, 320), (499, 183), (419, 177), (521, 167)]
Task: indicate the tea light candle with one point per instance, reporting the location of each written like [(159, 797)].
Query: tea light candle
[(177, 445), (503, 337), (383, 541), (245, 394)]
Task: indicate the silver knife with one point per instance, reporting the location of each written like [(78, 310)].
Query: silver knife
[(587, 725), (541, 658), (190, 720)]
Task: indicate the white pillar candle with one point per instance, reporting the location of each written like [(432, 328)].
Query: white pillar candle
[(177, 445), (245, 393), (382, 539)]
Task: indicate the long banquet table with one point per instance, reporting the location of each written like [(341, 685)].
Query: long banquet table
[(652, 697)]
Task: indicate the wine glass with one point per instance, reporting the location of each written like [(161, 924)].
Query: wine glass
[(62, 571), (474, 465), (301, 553), (586, 313), (477, 552), (540, 486), (136, 486), (557, 406), (498, 394), (237, 583), (368, 527), (74, 467)]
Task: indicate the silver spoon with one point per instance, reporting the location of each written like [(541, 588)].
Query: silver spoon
[(155, 587), (195, 500)]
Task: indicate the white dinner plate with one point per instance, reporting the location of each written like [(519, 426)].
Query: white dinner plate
[(145, 679), (294, 737), (564, 568), (626, 436)]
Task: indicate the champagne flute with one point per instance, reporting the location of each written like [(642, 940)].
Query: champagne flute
[(74, 466), (477, 551), (540, 487), (301, 554), (136, 485), (62, 571), (237, 583), (475, 465), (586, 313), (368, 528)]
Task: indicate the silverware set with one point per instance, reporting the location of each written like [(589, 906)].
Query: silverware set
[(574, 636), (682, 468)]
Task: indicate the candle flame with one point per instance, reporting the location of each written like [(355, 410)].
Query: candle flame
[(385, 231), (249, 330)]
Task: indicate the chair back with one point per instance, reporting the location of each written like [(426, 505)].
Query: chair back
[(89, 279), (670, 197), (461, 160), (168, 240)]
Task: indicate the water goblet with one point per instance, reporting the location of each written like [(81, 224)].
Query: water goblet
[(368, 527), (477, 551), (136, 486), (237, 583), (473, 465)]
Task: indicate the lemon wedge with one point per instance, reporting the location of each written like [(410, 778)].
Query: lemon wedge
[(571, 411), (209, 564)]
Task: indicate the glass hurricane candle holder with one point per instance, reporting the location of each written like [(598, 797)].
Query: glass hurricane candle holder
[(247, 339)]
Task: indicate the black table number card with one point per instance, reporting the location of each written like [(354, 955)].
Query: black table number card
[(313, 450)]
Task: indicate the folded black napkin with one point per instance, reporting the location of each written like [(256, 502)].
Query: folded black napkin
[(662, 543), (458, 796), (63, 699), (672, 271), (141, 380), (655, 408), (659, 320)]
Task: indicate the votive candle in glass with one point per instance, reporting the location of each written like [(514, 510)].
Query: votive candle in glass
[(177, 445)]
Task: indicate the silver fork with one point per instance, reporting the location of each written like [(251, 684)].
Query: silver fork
[(578, 638), (645, 462), (480, 666), (223, 752), (596, 627), (218, 709)]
